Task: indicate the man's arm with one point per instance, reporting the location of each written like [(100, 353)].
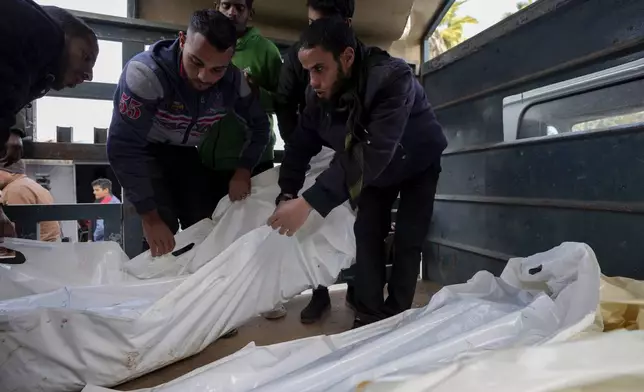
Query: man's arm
[(26, 54), (249, 110), (14, 197), (271, 74), (290, 94), (137, 96), (304, 145), (99, 231), (386, 125)]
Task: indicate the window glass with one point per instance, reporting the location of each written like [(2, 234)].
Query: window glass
[(466, 18), (83, 115), (104, 7), (610, 122), (109, 63), (611, 107)]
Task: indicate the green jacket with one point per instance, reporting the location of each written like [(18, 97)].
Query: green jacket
[(260, 58)]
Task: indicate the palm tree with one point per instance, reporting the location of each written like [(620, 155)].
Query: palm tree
[(520, 5), (450, 29)]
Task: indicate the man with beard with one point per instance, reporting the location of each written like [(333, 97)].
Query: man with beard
[(260, 61), (42, 48), (368, 107), (166, 99), (289, 103)]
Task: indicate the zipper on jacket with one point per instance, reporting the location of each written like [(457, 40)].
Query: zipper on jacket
[(200, 101)]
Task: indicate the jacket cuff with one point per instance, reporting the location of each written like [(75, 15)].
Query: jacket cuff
[(145, 205), (245, 163), (320, 199), (284, 197)]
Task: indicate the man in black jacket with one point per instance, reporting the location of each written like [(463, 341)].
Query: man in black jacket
[(42, 48), (290, 102), (368, 107)]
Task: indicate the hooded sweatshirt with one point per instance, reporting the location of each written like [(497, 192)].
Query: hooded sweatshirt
[(383, 130), (32, 45), (260, 58), (155, 104)]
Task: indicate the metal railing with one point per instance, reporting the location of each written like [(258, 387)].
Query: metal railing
[(28, 217)]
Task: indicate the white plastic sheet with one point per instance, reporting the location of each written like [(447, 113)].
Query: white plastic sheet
[(101, 331), (53, 265), (607, 362), (544, 298)]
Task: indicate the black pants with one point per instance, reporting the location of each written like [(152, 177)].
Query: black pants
[(179, 181), (373, 223)]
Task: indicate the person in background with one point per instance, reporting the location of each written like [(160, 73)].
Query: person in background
[(260, 61), (167, 98), (17, 188), (102, 188), (42, 48), (290, 101), (370, 108)]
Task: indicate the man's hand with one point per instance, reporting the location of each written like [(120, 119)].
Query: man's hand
[(289, 216), (239, 186), (13, 149), (159, 237), (253, 86), (7, 228)]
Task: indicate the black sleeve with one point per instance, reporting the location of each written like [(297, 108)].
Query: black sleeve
[(305, 143), (385, 125), (31, 43), (290, 93)]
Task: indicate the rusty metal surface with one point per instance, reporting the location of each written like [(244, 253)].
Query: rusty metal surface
[(77, 152), (607, 206), (27, 217), (524, 197), (509, 24)]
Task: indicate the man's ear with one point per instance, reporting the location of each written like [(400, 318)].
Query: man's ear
[(348, 57), (349, 21), (251, 14), (182, 39)]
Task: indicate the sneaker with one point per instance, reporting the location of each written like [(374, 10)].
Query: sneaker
[(230, 334), (319, 304), (277, 313)]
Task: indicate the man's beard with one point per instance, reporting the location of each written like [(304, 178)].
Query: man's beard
[(339, 86)]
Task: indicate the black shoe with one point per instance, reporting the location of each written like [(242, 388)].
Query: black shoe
[(363, 319), (320, 303), (230, 334), (349, 301), (358, 323)]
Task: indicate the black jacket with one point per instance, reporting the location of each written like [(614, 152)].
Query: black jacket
[(32, 44), (396, 133), (290, 96)]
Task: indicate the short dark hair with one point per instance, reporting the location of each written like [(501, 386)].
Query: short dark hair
[(72, 26), (249, 3), (328, 8), (216, 27), (103, 183), (331, 34)]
